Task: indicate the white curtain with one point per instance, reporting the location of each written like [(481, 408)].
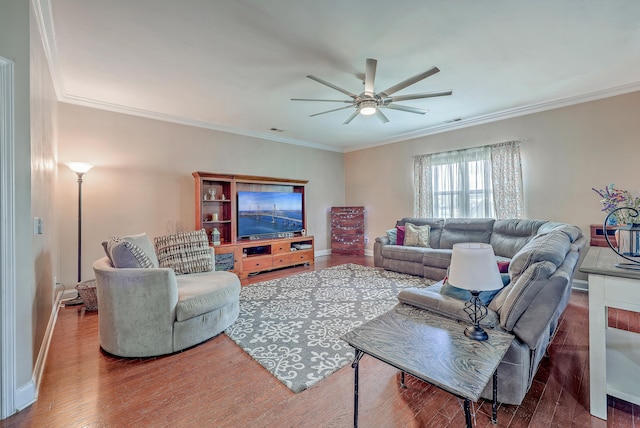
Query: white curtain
[(507, 180), (454, 184), (479, 182), (422, 202)]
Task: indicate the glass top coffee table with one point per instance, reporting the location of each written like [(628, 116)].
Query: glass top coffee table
[(431, 348)]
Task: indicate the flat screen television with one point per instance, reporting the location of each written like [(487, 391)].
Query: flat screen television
[(269, 214)]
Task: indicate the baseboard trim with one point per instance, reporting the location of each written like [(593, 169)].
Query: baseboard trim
[(580, 285), (27, 394)]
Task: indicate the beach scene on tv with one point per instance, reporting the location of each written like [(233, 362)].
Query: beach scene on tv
[(262, 213)]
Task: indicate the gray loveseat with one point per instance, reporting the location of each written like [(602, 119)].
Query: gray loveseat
[(543, 257)]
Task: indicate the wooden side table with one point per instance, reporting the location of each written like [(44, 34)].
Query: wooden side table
[(614, 354)]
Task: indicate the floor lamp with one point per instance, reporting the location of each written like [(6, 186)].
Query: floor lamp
[(80, 169)]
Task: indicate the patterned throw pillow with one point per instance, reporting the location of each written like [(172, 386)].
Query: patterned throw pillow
[(187, 252), (417, 236), (134, 251)]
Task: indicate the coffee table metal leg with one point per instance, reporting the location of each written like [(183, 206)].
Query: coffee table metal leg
[(494, 407), (356, 360), (467, 412)]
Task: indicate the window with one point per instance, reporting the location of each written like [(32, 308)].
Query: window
[(478, 182)]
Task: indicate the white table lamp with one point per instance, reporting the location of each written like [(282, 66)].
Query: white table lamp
[(474, 268)]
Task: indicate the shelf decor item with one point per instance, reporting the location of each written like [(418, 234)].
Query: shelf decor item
[(474, 268), (612, 199), (215, 236), (627, 237)]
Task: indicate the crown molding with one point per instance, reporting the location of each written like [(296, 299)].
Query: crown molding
[(506, 114), (117, 108), (44, 18)]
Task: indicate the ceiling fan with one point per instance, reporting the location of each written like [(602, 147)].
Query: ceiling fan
[(370, 102)]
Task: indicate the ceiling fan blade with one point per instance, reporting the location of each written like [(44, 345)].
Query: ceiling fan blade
[(332, 86), (381, 116), (370, 76), (350, 118), (406, 108), (328, 101), (408, 82), (329, 111), (417, 96)]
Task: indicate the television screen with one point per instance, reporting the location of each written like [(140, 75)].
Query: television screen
[(269, 213)]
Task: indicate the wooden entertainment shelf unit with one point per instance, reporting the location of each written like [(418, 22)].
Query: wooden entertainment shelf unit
[(216, 208)]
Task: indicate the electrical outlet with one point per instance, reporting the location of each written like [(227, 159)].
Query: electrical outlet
[(37, 226), (366, 239)]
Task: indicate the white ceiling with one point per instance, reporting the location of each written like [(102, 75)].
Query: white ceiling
[(233, 65)]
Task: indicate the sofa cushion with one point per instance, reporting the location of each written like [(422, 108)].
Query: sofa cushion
[(437, 258), (135, 251), (435, 227), (458, 230), (460, 293), (517, 296), (408, 254), (573, 232), (431, 299), (552, 247), (186, 252), (417, 236), (204, 292), (510, 235)]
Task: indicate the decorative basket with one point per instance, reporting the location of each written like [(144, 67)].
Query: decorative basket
[(87, 291)]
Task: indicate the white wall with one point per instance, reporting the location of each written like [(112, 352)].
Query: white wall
[(565, 153), (142, 180), (43, 189)]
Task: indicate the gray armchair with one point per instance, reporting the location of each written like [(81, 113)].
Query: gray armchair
[(152, 311)]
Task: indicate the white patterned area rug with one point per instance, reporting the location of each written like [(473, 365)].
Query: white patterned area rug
[(292, 326)]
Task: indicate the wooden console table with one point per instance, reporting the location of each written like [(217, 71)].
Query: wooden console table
[(614, 355)]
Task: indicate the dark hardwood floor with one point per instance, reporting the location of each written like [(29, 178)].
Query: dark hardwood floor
[(216, 384)]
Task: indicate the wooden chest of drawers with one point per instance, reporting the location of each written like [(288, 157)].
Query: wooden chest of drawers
[(347, 230)]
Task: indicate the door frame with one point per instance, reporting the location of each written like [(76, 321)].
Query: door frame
[(7, 242)]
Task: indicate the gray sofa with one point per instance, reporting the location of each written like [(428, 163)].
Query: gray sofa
[(147, 310), (543, 257)]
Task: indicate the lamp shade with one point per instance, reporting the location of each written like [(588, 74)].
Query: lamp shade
[(79, 167), (474, 267)]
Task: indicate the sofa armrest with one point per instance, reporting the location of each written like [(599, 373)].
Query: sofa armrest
[(536, 319), (133, 300), (383, 240)]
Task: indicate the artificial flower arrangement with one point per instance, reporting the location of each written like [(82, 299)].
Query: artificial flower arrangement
[(613, 198)]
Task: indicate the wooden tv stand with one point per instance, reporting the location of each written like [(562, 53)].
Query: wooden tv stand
[(216, 210), (267, 254)]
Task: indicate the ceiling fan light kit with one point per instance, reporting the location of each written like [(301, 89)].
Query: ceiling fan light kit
[(369, 103), (368, 107)]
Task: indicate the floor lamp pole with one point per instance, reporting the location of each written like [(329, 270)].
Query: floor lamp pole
[(80, 174), (80, 169)]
